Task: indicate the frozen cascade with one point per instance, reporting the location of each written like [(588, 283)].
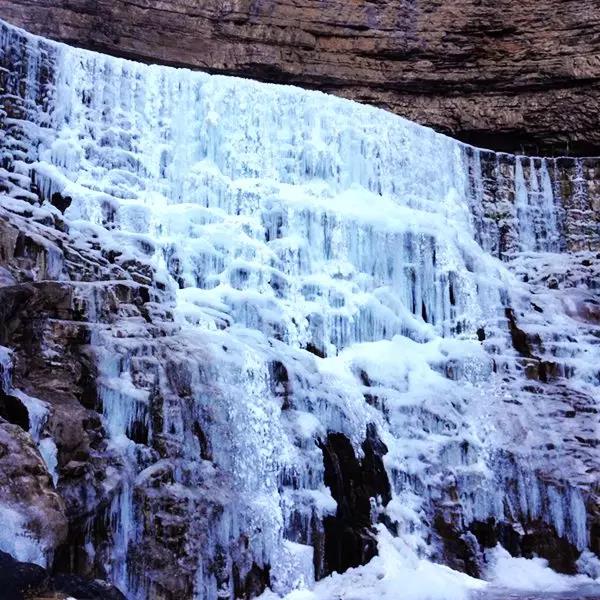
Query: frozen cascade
[(332, 269), (536, 213)]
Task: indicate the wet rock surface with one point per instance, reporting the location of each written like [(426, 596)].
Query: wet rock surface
[(512, 76), (529, 540)]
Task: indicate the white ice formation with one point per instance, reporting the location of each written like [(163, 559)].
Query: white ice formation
[(329, 266)]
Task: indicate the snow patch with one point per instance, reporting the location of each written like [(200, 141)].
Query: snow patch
[(392, 575), (528, 574), (17, 540)]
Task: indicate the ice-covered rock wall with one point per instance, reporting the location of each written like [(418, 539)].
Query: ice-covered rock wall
[(290, 317)]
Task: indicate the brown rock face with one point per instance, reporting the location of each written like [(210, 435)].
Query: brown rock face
[(518, 76), (26, 486)]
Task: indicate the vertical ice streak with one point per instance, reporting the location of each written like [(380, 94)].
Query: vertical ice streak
[(536, 211)]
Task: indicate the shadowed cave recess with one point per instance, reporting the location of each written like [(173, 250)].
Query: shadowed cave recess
[(251, 335)]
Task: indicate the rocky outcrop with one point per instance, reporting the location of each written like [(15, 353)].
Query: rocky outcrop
[(29, 501), (28, 581), (518, 76), (357, 487)]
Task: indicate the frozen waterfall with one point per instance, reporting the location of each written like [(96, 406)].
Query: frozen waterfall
[(328, 268)]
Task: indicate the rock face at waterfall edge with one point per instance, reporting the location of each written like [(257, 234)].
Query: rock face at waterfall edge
[(219, 373), (513, 76)]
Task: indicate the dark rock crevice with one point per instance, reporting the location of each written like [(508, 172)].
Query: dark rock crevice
[(14, 411), (354, 482)]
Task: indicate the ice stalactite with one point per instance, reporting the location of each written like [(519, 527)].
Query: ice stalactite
[(536, 210)]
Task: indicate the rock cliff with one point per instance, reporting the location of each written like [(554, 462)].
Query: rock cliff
[(515, 76)]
